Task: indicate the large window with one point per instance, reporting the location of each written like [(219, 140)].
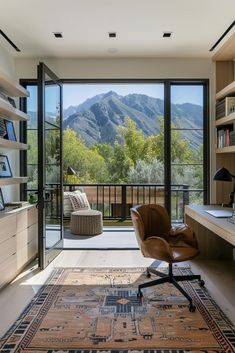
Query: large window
[(124, 142)]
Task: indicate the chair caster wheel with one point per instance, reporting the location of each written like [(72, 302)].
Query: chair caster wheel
[(148, 274), (139, 294), (192, 308), (202, 283)]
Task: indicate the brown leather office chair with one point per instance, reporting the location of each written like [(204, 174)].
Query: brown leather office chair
[(159, 240)]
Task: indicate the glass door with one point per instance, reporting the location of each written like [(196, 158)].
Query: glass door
[(50, 177)]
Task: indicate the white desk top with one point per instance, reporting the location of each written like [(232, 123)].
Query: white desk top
[(219, 226)]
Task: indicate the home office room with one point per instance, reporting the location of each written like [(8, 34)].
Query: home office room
[(117, 176)]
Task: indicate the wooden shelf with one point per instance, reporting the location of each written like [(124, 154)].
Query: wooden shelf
[(229, 149), (9, 112), (226, 51), (229, 119), (11, 181), (10, 88), (13, 145), (226, 91)]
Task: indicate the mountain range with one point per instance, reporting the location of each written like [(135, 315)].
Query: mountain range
[(98, 118)]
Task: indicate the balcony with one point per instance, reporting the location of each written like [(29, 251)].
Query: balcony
[(115, 200)]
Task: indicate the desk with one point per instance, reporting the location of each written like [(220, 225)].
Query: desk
[(216, 236)]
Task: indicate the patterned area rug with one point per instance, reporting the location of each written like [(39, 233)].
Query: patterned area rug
[(97, 311)]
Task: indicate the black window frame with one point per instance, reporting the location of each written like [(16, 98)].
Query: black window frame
[(167, 127)]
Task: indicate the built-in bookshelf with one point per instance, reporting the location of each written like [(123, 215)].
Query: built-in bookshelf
[(13, 180), (224, 121), (229, 119), (10, 88), (8, 113), (228, 149), (12, 145)]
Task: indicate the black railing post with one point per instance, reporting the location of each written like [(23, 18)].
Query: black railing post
[(185, 196), (123, 210)]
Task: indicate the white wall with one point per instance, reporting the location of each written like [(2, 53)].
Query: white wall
[(119, 68), (126, 68), (10, 193)]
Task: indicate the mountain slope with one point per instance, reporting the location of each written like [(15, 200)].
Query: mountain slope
[(98, 118)]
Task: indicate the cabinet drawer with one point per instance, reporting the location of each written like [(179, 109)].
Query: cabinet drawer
[(33, 232), (8, 270), (26, 253), (7, 249), (22, 220), (32, 249), (26, 218), (7, 227), (32, 216), (22, 239), (26, 236)]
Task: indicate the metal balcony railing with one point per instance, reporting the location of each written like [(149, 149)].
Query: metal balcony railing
[(115, 200)]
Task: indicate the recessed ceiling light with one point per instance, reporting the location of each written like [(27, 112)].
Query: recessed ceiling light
[(58, 34), (112, 34), (112, 50), (167, 34)]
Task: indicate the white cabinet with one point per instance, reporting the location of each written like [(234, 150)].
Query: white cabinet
[(18, 241)]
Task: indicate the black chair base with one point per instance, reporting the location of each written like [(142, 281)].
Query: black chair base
[(170, 278)]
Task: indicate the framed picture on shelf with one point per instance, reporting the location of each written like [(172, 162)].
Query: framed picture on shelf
[(10, 131), (3, 131), (12, 102), (2, 205), (5, 169)]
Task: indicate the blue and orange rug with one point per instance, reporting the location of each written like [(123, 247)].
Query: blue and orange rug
[(97, 311)]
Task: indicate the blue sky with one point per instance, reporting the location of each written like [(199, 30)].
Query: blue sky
[(75, 94)]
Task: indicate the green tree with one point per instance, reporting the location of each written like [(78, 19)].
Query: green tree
[(89, 164), (132, 140), (147, 172)]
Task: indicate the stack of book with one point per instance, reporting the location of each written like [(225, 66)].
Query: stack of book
[(225, 107), (225, 137)]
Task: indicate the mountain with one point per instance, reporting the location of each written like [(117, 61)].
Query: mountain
[(98, 118), (73, 109)]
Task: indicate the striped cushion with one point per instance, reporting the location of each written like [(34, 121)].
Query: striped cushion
[(79, 201), (68, 206)]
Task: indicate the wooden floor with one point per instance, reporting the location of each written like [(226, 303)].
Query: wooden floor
[(111, 238), (219, 277)]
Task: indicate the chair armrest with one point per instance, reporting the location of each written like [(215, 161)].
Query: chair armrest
[(157, 248), (185, 233)]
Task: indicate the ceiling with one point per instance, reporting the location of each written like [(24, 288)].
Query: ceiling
[(196, 26)]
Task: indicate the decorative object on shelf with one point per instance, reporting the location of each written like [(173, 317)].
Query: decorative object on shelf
[(3, 131), (2, 205), (5, 169), (222, 174), (12, 102), (225, 107), (10, 130)]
